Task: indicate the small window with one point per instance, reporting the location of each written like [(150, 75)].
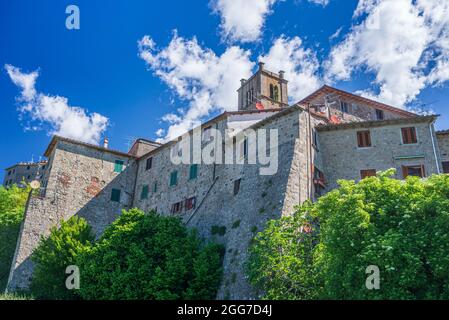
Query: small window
[(415, 171), (380, 114), (276, 93), (364, 139), (118, 167), (314, 138), (207, 133), (9, 173), (190, 203), (237, 186), (155, 187), (176, 207), (43, 167), (28, 167), (149, 164), (115, 195), (173, 178), (271, 91), (446, 167), (193, 171), (367, 173), (409, 135), (344, 107), (144, 193)]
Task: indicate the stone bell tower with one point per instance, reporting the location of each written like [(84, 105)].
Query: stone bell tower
[(264, 90)]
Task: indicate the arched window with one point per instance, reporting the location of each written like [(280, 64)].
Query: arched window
[(271, 91), (276, 93)]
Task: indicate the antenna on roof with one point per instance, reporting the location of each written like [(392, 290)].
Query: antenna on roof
[(129, 141)]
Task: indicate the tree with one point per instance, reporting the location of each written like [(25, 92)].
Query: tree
[(54, 254), (147, 256), (402, 227), (12, 207)]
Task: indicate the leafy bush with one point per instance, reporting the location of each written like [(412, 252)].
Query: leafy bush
[(401, 227), (10, 296), (12, 207), (147, 256), (54, 254)]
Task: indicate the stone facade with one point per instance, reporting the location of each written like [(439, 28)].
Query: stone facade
[(228, 203), (24, 172)]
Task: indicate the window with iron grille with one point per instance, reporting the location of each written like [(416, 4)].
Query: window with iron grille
[(190, 203), (176, 207), (364, 139), (367, 173), (409, 135)]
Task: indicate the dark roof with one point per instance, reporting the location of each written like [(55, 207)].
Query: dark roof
[(378, 105), (376, 123), (55, 139)]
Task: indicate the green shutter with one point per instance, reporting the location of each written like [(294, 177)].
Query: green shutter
[(115, 195), (193, 171), (174, 178), (144, 194), (118, 166)]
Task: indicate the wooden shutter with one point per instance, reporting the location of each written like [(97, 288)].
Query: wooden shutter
[(423, 171), (364, 139), (409, 135), (404, 172)]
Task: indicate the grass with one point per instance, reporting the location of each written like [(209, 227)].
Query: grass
[(12, 296)]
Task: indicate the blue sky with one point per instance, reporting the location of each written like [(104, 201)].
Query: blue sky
[(99, 81)]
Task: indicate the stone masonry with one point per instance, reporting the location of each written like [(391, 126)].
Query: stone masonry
[(318, 144)]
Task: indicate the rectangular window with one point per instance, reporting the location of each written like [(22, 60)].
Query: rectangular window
[(446, 167), (409, 135), (237, 186), (364, 139), (367, 173), (207, 133), (190, 203), (149, 164), (380, 114), (193, 171), (314, 138), (118, 167), (173, 178), (155, 187), (115, 195), (415, 171), (9, 173), (144, 194), (244, 148), (176, 207), (344, 107)]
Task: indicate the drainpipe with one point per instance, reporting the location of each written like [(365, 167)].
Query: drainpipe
[(434, 147)]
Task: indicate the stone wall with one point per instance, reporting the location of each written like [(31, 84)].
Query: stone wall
[(343, 159), (79, 182)]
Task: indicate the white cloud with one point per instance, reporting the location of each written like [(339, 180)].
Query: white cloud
[(404, 43), (300, 65), (320, 2), (197, 75), (54, 112), (242, 20)]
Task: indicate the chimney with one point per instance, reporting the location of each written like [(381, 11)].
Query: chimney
[(105, 143), (281, 74), (242, 82), (261, 65)]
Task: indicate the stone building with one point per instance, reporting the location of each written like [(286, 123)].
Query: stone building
[(329, 135), (24, 172)]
